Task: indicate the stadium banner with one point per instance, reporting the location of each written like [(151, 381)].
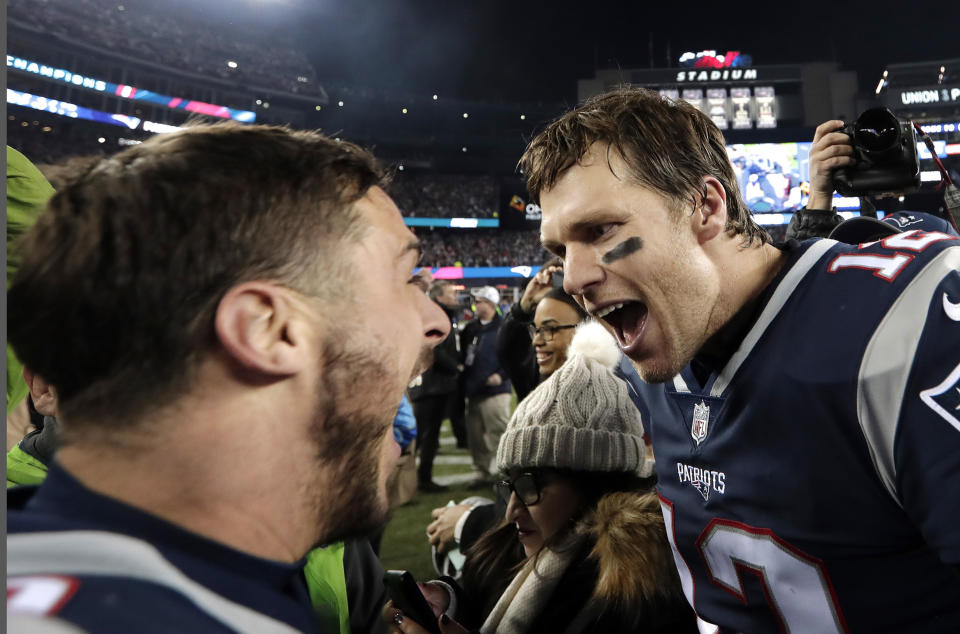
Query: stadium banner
[(453, 223), (129, 92), (479, 272), (515, 209), (66, 109)]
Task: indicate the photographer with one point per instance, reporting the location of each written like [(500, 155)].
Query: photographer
[(831, 149)]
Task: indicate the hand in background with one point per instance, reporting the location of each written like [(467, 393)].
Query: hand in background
[(538, 286), (831, 149), (445, 518)]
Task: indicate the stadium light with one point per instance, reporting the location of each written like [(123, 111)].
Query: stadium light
[(523, 117), (231, 64), (464, 148), (101, 140), (404, 111), (882, 82), (465, 115), (340, 103), (435, 97), (259, 101), (400, 167), (266, 104), (319, 108)]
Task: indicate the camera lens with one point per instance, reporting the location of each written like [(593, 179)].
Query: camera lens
[(877, 131)]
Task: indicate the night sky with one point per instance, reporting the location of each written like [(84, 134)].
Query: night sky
[(519, 51)]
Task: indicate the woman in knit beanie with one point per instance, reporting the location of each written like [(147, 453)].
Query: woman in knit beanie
[(581, 511)]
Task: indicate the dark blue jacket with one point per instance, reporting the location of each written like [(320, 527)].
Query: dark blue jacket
[(479, 345)]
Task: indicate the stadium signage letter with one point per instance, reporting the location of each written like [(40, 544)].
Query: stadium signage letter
[(910, 97), (717, 75), (56, 73)]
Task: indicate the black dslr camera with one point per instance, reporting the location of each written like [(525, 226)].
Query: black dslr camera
[(885, 149)]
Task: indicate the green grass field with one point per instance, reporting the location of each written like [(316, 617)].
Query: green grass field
[(404, 545)]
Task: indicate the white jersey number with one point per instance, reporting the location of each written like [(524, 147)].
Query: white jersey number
[(796, 587)]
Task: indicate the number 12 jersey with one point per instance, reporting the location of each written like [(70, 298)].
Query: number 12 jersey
[(813, 483)]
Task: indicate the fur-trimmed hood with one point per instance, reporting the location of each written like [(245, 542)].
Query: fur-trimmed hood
[(631, 549)]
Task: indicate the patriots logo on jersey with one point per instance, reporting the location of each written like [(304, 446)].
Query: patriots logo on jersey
[(703, 488), (701, 419), (944, 399)]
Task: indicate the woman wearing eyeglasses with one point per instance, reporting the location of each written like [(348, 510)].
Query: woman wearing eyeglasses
[(582, 519), (546, 308)]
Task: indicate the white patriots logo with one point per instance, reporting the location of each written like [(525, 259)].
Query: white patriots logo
[(944, 399), (703, 488)]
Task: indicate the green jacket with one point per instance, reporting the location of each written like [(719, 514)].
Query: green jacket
[(27, 195)]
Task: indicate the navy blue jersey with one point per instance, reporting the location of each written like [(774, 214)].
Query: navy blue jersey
[(813, 484), (88, 560)]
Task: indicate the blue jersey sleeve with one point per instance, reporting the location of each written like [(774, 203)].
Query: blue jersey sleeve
[(927, 440)]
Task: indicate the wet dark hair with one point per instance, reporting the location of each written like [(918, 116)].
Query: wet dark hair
[(668, 146)]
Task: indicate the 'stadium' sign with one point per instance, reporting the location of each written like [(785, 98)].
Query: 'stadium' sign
[(728, 74)]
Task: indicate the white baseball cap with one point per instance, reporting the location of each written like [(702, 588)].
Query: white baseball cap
[(488, 293)]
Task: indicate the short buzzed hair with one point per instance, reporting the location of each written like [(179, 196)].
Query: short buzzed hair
[(668, 146), (123, 273)]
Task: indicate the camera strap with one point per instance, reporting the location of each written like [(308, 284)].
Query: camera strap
[(951, 194)]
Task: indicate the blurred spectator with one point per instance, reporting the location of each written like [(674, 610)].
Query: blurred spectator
[(434, 392), (487, 386)]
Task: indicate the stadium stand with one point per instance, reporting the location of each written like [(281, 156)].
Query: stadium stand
[(140, 30)]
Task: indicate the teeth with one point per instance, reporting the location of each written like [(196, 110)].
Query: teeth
[(606, 311)]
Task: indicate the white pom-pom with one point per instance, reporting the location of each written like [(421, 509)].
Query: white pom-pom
[(594, 342)]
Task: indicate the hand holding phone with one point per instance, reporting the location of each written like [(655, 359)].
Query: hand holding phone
[(406, 596)]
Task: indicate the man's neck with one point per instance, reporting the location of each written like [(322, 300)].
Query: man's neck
[(751, 271), (244, 493), (746, 273)]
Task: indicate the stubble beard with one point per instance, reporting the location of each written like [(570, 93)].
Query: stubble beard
[(692, 311), (349, 442)]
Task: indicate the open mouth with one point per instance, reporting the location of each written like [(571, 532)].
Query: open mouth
[(628, 320)]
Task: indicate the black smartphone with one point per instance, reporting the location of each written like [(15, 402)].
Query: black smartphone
[(557, 279), (406, 595)]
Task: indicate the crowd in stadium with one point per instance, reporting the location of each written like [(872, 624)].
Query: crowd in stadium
[(445, 195), (481, 247), (144, 31)]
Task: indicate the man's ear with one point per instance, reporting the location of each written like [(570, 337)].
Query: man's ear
[(43, 395), (260, 327), (710, 216)]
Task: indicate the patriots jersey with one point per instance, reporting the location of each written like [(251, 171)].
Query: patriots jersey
[(80, 561), (813, 483)]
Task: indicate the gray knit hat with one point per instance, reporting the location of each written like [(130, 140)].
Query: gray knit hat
[(581, 418)]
